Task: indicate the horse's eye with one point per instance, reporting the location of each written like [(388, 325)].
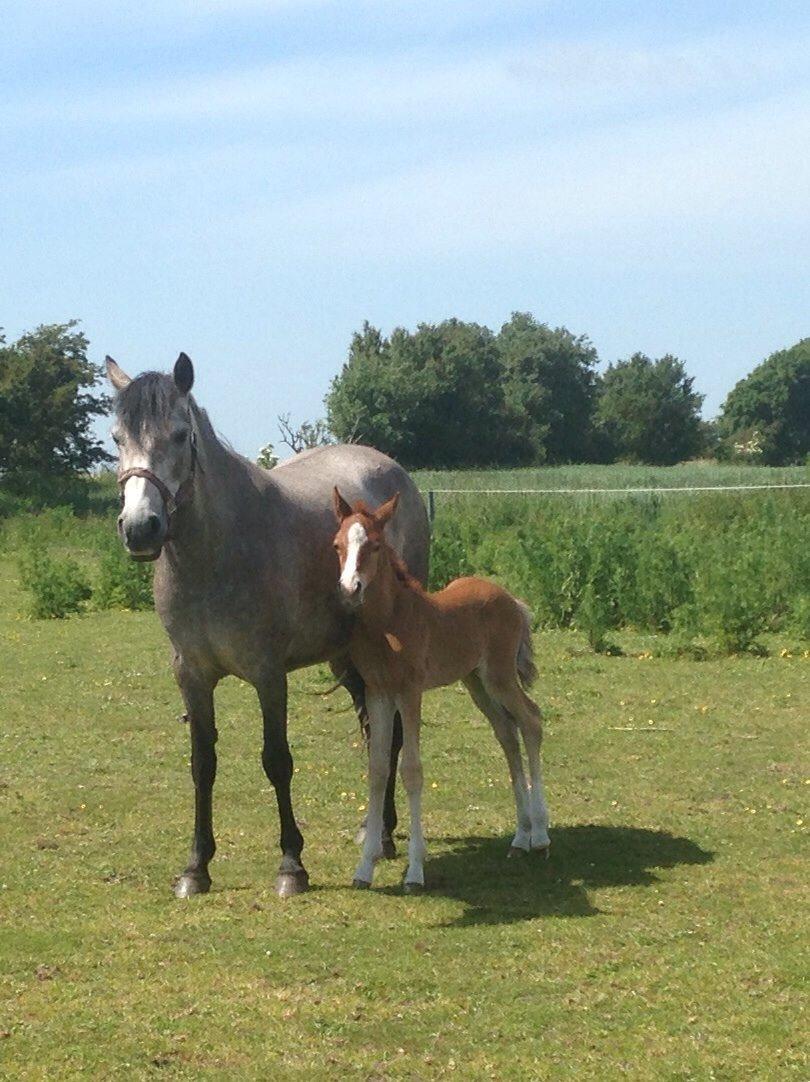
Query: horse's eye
[(179, 438), (116, 439)]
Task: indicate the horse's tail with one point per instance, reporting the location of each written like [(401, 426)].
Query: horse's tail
[(527, 670)]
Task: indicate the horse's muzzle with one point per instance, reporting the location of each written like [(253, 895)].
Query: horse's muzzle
[(143, 537)]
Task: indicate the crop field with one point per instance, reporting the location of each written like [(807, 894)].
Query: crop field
[(664, 938)]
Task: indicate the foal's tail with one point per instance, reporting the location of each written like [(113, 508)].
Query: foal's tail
[(527, 670)]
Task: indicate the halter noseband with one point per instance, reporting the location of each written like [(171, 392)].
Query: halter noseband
[(170, 502)]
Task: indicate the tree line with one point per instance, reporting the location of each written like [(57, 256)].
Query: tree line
[(457, 394), (451, 394)]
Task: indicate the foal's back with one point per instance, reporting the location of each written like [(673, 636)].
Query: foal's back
[(472, 623)]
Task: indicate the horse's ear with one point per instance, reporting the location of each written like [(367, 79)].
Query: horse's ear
[(116, 374), (385, 512), (342, 509), (183, 374)]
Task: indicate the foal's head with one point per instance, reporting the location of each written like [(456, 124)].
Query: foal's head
[(153, 432), (358, 542)]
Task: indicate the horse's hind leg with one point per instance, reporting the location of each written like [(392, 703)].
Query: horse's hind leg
[(351, 679), (526, 713), (278, 766), (198, 697), (506, 733)]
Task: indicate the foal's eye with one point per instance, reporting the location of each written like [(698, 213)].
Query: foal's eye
[(115, 438), (179, 438)]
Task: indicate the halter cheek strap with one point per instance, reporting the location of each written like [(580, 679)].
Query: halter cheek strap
[(170, 502)]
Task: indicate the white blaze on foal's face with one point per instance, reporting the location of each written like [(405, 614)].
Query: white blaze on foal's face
[(357, 562)]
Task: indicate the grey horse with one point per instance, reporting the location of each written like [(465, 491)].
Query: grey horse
[(246, 575)]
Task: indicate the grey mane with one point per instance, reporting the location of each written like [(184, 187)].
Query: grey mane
[(148, 400)]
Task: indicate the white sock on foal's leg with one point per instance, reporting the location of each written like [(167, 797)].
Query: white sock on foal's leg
[(538, 809), (523, 833), (417, 849), (381, 727)]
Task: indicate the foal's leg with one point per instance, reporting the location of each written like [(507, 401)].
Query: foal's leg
[(278, 766), (526, 713), (381, 721), (506, 733), (351, 679), (198, 697), (412, 778)]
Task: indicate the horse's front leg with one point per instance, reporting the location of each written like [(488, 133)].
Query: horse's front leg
[(198, 695), (410, 707), (278, 766), (381, 723)]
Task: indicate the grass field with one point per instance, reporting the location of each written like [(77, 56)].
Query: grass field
[(614, 476), (663, 939)]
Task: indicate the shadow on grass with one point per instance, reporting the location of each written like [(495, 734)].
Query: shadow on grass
[(495, 890)]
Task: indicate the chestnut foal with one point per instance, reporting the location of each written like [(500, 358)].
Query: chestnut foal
[(406, 641)]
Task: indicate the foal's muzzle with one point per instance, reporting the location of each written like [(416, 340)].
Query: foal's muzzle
[(351, 598)]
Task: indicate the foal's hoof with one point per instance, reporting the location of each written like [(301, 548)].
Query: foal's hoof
[(542, 851), (515, 852), (389, 848), (290, 883), (361, 884), (191, 883), (413, 888)]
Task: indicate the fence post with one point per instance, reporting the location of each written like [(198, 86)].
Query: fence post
[(431, 505)]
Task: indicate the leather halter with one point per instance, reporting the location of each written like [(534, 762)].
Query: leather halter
[(170, 502)]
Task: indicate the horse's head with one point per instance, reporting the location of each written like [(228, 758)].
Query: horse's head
[(358, 543), (153, 431)]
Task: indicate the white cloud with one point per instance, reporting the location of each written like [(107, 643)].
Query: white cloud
[(739, 174), (546, 82)]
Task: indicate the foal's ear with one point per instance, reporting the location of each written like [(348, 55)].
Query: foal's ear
[(116, 374), (342, 509), (385, 512), (183, 374)]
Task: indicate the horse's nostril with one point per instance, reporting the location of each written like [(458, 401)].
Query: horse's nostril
[(153, 524), (357, 588)]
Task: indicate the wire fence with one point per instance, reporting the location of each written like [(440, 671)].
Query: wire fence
[(432, 493)]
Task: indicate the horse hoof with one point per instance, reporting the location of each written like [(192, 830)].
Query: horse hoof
[(516, 852), (361, 884), (291, 883), (191, 883), (413, 888), (389, 848), (542, 851)]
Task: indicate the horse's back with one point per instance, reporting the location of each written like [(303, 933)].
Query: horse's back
[(361, 473)]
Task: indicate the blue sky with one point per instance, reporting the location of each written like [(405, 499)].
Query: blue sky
[(248, 180)]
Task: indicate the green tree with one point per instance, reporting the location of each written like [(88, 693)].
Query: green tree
[(549, 387), (648, 412), (770, 409), (48, 402), (434, 397)]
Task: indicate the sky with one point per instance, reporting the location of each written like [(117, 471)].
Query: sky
[(249, 180)]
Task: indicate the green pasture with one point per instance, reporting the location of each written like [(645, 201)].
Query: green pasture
[(618, 475), (664, 939)]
